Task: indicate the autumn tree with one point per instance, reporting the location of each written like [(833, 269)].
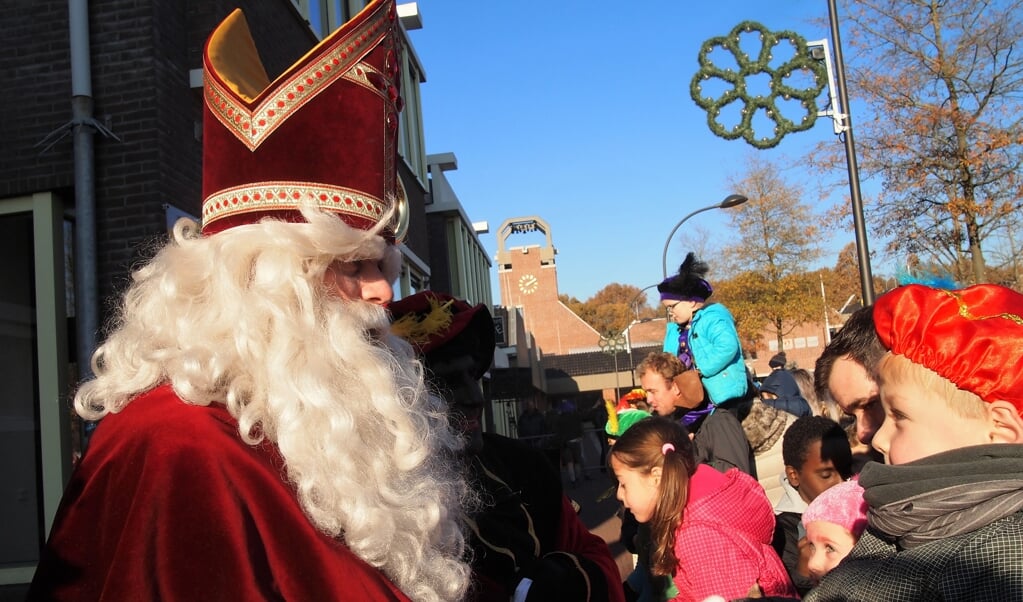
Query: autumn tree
[(778, 242), (612, 308), (942, 83)]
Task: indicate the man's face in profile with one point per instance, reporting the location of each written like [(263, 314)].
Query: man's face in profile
[(858, 395), (453, 375)]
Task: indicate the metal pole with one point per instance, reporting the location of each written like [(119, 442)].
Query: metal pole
[(618, 387), (86, 288), (862, 251)]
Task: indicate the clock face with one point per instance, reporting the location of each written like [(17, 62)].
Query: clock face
[(528, 284)]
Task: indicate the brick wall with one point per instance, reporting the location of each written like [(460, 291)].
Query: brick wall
[(141, 56), (532, 284)]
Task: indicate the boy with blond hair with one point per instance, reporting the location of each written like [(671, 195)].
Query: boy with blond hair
[(946, 511)]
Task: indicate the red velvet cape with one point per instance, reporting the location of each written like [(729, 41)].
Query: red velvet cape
[(170, 504)]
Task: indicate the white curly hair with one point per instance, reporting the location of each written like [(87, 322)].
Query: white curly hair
[(243, 318)]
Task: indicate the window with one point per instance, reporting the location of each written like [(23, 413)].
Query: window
[(324, 16)]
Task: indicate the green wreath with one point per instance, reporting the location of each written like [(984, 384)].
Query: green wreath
[(747, 67)]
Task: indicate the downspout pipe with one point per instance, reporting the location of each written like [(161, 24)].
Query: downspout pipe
[(83, 130)]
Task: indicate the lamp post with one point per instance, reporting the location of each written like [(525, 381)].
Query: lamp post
[(628, 343), (632, 303), (730, 201), (612, 343)]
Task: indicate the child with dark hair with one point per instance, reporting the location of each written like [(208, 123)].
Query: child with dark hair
[(709, 530), (817, 456)]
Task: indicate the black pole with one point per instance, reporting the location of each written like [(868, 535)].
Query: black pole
[(862, 251)]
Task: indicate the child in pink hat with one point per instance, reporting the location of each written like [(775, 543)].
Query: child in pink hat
[(834, 521)]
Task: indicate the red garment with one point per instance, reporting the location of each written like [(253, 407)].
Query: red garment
[(574, 536), (170, 504), (724, 542)]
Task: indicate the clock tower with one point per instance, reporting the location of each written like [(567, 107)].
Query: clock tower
[(527, 275), (528, 279)]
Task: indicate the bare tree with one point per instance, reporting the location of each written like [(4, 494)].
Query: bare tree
[(943, 126)]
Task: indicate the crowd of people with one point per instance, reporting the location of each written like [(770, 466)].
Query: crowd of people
[(902, 477), (272, 424)]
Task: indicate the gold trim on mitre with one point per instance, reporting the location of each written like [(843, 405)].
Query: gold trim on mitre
[(402, 215), (287, 196), (239, 94)]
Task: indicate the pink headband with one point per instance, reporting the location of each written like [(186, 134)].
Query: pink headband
[(667, 447), (842, 504)]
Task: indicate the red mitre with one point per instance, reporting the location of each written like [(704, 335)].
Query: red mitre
[(439, 325), (327, 127), (973, 337)]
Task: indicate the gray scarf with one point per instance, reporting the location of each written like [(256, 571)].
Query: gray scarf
[(946, 494)]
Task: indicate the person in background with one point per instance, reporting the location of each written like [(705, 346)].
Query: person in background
[(531, 424), (780, 390), (528, 543), (709, 531), (817, 457), (764, 427), (260, 434), (833, 522), (568, 432), (945, 514)]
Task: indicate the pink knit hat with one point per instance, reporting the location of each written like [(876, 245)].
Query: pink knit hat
[(842, 504)]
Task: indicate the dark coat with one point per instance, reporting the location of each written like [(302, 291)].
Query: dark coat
[(985, 565), (789, 399)]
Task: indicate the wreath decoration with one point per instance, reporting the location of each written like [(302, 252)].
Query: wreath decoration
[(748, 67)]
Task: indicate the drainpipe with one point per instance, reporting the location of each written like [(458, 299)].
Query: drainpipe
[(83, 126)]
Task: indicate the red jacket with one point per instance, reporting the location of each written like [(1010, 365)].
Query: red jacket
[(724, 542)]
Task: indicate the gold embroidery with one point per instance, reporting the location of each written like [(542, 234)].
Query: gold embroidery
[(276, 196), (341, 60), (965, 312)]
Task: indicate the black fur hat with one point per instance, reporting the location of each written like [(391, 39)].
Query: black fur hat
[(688, 284)]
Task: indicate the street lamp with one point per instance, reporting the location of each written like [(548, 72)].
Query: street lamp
[(632, 303), (611, 344), (628, 343), (730, 201)]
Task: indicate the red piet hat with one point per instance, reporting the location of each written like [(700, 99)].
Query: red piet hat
[(326, 128), (625, 401), (973, 337), (439, 325)]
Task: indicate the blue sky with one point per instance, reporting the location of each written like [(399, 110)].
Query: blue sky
[(579, 112)]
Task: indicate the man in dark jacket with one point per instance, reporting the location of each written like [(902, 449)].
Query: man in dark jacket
[(781, 391), (528, 542)]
